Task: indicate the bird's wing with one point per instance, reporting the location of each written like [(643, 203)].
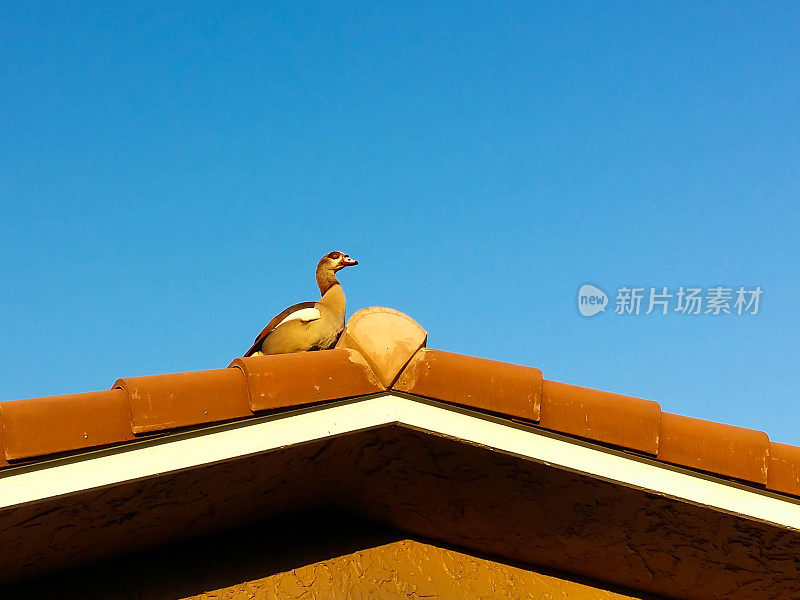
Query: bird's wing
[(305, 311), (306, 315)]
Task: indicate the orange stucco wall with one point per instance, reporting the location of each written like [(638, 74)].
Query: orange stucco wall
[(408, 569), (320, 555)]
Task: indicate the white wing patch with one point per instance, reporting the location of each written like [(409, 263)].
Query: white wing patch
[(306, 315)]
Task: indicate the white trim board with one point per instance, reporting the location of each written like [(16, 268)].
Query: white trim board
[(220, 443)]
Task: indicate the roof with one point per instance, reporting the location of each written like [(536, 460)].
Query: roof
[(427, 469), (384, 350), (474, 453)]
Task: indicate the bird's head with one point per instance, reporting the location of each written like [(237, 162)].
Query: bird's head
[(335, 261)]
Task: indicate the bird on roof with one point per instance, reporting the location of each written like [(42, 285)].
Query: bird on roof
[(309, 325)]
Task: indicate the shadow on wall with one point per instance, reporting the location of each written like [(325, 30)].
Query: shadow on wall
[(325, 554), (213, 562)]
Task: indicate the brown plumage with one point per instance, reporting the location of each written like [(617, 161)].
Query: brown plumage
[(309, 325)]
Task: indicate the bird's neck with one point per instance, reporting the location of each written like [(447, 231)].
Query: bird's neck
[(326, 279), (334, 299)]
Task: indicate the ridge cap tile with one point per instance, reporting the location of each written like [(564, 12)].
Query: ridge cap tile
[(386, 338), (54, 424), (169, 401), (718, 448), (616, 419), (783, 470), (284, 380), (482, 383)]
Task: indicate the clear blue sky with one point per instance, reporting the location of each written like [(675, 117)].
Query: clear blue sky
[(172, 172)]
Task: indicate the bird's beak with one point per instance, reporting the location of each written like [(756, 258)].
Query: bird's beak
[(348, 262)]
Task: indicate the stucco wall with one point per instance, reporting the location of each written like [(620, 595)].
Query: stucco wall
[(322, 555), (409, 569)]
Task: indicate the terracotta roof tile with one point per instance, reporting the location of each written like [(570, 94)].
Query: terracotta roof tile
[(609, 418), (386, 338), (379, 349), (783, 469), (283, 380), (41, 426), (478, 382), (713, 447), (159, 402)]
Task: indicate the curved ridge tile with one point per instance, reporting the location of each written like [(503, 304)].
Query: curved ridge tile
[(714, 447), (481, 383), (283, 380), (386, 338), (53, 424), (159, 402), (613, 419), (783, 468)]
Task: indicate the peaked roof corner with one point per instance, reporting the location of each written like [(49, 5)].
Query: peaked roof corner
[(382, 350)]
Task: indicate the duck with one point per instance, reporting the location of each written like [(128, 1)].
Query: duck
[(309, 326)]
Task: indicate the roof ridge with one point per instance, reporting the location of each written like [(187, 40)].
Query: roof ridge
[(382, 349)]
